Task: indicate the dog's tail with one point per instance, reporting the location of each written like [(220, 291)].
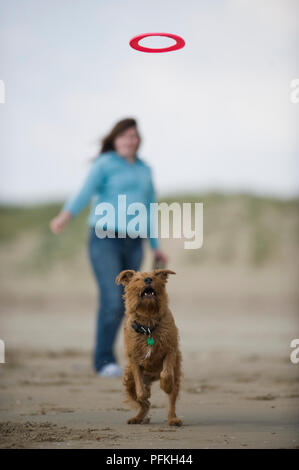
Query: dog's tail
[(130, 389)]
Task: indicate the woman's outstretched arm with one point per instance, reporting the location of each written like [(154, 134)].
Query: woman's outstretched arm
[(77, 203)]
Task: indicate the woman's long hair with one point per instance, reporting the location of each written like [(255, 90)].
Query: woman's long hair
[(121, 126)]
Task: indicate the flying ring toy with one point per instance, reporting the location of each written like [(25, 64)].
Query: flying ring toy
[(134, 42)]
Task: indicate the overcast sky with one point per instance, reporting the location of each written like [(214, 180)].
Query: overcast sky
[(216, 114)]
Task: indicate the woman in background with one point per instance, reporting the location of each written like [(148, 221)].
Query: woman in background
[(117, 170)]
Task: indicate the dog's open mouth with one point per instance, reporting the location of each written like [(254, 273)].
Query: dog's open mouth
[(148, 292)]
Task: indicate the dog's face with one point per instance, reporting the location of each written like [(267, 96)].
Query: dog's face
[(144, 291)]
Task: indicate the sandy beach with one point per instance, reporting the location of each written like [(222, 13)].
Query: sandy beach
[(240, 389)]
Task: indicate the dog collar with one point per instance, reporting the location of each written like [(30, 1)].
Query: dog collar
[(145, 330)]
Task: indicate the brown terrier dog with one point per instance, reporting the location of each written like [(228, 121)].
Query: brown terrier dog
[(151, 341)]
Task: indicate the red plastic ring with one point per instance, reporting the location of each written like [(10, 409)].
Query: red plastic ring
[(135, 40)]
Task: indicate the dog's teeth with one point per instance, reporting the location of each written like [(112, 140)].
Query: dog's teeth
[(149, 293)]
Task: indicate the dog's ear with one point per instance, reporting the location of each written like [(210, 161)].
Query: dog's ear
[(124, 277), (163, 273)]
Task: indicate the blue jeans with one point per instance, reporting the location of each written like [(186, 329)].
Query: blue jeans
[(110, 256)]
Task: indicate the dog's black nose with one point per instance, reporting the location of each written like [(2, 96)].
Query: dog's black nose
[(148, 280)]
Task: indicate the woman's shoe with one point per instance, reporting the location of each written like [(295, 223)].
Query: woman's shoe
[(111, 370)]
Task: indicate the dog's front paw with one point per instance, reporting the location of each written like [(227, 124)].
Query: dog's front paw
[(134, 420), (175, 422)]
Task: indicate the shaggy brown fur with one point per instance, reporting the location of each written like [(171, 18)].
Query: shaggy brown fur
[(164, 362)]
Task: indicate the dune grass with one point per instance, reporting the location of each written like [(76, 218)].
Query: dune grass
[(262, 224)]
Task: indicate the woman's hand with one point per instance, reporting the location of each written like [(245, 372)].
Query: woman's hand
[(160, 256), (59, 222)]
